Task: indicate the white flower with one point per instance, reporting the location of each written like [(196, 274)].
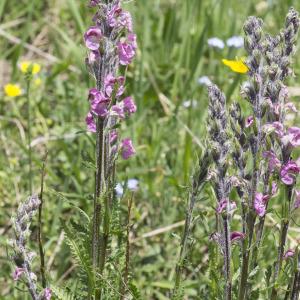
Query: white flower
[(119, 189), (189, 103), (204, 80), (235, 41), (216, 43), (132, 185)]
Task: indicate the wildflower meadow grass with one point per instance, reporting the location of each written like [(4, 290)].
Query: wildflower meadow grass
[(149, 149)]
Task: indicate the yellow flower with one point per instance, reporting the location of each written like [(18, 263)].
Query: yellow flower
[(237, 66), (37, 81), (12, 90), (25, 66)]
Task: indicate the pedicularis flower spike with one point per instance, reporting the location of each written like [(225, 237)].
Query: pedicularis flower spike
[(111, 46), (23, 257), (262, 139)]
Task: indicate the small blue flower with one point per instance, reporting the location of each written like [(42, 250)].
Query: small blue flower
[(132, 185), (204, 80), (216, 43), (235, 41)]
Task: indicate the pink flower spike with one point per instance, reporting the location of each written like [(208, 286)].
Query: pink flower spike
[(92, 38), (127, 149), (90, 122), (236, 236), (288, 172), (288, 253), (249, 121), (129, 105), (18, 273)]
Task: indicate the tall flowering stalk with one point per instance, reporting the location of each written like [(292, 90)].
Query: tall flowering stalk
[(262, 153), (23, 257), (268, 62), (221, 181), (111, 46), (197, 185)]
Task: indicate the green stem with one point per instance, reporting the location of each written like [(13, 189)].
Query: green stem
[(29, 136), (283, 236), (99, 184), (127, 255), (40, 239), (227, 257), (184, 240)]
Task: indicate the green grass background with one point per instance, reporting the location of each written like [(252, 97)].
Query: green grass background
[(173, 53)]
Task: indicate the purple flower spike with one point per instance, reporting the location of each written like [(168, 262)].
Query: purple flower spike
[(260, 202), (129, 105), (249, 121), (47, 294), (288, 253), (127, 148), (92, 38), (18, 273), (236, 236), (288, 172), (90, 122)]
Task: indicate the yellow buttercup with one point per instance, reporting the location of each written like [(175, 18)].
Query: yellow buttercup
[(12, 90), (25, 66), (237, 66)]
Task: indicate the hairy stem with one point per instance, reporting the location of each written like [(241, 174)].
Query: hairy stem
[(296, 282), (184, 240), (29, 136), (283, 236), (227, 257), (127, 255), (40, 239), (97, 204)]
